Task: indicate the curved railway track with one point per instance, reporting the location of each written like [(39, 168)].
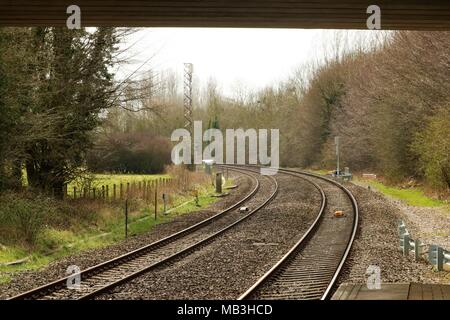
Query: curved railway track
[(104, 276), (311, 267), (307, 271)]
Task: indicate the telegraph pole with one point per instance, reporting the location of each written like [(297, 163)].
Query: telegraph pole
[(336, 142)]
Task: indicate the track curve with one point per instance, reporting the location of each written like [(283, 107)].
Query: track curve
[(311, 267)]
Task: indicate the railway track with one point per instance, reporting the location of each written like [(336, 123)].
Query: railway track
[(102, 277), (311, 267), (308, 271)]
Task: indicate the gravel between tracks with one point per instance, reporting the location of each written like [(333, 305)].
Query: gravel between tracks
[(23, 281), (377, 244), (233, 262)]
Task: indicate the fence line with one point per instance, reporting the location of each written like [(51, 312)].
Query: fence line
[(433, 254), (144, 189)]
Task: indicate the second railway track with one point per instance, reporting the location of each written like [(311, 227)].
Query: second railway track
[(311, 267)]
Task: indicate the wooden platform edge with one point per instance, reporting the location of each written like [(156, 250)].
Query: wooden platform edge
[(393, 291)]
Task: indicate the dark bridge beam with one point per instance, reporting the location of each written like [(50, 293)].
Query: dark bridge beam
[(348, 14)]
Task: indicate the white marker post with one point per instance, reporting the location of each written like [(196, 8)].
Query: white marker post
[(336, 142)]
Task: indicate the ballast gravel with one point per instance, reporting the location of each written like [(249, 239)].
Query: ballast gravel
[(229, 265)]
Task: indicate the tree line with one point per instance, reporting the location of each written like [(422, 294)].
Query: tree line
[(63, 111), (389, 103), (388, 100)]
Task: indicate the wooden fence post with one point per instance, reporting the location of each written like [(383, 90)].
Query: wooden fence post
[(126, 218), (114, 192), (144, 189)]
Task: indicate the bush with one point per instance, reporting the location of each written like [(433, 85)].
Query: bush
[(23, 217), (130, 153), (432, 145)]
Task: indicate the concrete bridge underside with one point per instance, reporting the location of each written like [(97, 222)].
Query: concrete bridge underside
[(326, 14)]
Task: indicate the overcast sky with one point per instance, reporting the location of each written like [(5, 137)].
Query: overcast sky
[(253, 58)]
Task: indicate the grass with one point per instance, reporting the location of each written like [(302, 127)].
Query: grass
[(54, 244), (412, 196), (110, 179), (4, 279), (319, 171), (117, 179)]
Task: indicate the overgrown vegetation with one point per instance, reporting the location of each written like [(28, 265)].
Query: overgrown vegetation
[(22, 217), (392, 110), (432, 145), (130, 153), (58, 99), (40, 229)]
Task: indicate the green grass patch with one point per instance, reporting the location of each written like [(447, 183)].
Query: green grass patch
[(319, 171), (4, 278), (412, 196), (99, 180), (110, 179), (8, 254)]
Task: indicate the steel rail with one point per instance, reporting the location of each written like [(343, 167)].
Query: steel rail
[(304, 241), (184, 251)]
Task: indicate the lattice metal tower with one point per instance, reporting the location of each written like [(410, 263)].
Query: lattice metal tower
[(188, 109)]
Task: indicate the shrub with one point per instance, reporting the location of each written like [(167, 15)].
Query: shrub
[(130, 153), (22, 217), (432, 145)]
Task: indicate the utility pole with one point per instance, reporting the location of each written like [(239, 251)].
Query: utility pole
[(336, 142)]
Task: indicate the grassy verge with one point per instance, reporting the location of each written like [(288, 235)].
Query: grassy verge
[(110, 179), (413, 196), (54, 243), (4, 279), (319, 171)]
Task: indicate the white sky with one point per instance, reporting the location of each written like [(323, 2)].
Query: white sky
[(253, 58)]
